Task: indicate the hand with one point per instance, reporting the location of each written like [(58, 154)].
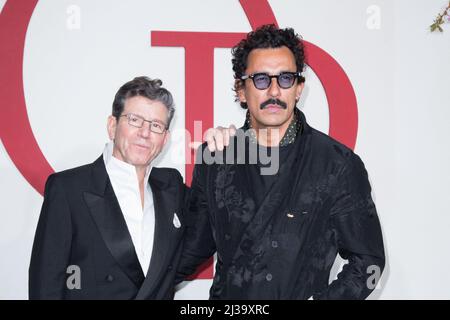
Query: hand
[(219, 137)]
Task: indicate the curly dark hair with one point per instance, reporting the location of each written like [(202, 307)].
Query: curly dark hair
[(266, 36)]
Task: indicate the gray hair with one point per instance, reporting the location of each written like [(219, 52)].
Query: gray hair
[(144, 87)]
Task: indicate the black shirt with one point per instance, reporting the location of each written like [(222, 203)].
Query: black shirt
[(262, 183)]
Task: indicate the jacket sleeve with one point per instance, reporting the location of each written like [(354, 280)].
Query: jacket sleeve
[(199, 243), (358, 234), (51, 248)]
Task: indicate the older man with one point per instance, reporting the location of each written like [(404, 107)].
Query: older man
[(113, 229)]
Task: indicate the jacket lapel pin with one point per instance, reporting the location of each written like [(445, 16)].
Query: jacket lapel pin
[(176, 221)]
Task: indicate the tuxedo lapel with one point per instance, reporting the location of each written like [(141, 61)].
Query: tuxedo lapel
[(165, 199), (106, 212)]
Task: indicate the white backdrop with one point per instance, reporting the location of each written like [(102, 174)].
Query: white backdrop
[(400, 73)]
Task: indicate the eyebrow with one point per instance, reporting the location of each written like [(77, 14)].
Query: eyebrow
[(269, 73), (152, 120)]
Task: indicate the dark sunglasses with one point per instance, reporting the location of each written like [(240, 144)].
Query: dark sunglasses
[(262, 81)]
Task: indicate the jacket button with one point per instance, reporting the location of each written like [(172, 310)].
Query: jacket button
[(269, 277), (169, 267), (109, 278), (274, 244), (227, 237)]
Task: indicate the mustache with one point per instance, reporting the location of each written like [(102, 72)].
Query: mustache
[(278, 102)]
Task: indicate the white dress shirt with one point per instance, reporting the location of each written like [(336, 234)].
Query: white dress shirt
[(140, 223)]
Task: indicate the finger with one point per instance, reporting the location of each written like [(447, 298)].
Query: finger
[(232, 130), (218, 136), (194, 145), (226, 137), (209, 138)]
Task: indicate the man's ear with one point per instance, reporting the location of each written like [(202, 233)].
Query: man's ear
[(299, 91), (241, 91), (166, 138), (111, 126)]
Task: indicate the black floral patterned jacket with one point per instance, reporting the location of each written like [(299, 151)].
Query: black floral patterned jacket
[(319, 206)]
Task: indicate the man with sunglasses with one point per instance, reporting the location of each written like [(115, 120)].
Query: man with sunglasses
[(277, 235), (113, 229)]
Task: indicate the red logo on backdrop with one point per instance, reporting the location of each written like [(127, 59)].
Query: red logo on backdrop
[(21, 145)]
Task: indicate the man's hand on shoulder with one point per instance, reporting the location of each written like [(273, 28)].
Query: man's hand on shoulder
[(216, 138)]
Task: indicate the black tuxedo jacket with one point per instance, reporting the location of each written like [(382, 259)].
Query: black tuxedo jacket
[(82, 232)]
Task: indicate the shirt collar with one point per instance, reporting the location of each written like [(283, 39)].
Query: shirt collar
[(293, 131), (120, 166)]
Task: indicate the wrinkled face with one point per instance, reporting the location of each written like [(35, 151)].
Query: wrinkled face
[(271, 61), (138, 146)]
